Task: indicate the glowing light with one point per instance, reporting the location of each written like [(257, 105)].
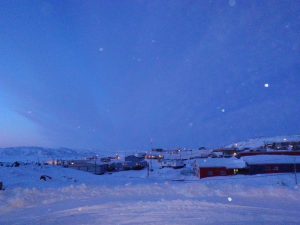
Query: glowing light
[(267, 85), (229, 199)]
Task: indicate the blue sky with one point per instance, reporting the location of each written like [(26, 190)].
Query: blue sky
[(120, 74)]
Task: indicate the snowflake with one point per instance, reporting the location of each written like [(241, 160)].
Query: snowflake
[(231, 3)]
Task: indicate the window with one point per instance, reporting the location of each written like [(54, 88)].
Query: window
[(223, 173), (210, 173)]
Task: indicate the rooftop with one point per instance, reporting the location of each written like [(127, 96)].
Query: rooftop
[(271, 159), (230, 163)]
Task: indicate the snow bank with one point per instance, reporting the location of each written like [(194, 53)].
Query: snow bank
[(210, 202)]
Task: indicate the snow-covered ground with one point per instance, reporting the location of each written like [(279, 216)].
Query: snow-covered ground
[(130, 197)]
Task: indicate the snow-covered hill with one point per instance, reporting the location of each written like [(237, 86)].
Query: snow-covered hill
[(258, 142), (39, 154)]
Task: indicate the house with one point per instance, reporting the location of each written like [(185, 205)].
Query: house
[(218, 167), (248, 165), (115, 166), (172, 163), (261, 164), (285, 145), (87, 165), (225, 152), (140, 155), (154, 155), (133, 158), (135, 162)]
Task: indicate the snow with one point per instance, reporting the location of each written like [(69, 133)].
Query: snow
[(77, 197), (39, 154), (233, 163)]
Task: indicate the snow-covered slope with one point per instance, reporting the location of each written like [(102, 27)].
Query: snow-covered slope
[(258, 142), (39, 154), (130, 197)]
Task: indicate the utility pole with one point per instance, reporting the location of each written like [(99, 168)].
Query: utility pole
[(95, 165), (295, 171), (150, 162), (148, 169)]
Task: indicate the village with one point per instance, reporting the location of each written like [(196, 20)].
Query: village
[(71, 186), (272, 157), (275, 157)]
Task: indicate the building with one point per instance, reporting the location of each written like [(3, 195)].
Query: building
[(218, 167), (225, 152), (247, 165), (134, 158), (285, 145), (86, 165), (172, 163), (261, 164), (268, 152)]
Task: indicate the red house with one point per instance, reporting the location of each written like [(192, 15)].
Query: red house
[(211, 167)]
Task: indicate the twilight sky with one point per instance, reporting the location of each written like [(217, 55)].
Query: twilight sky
[(124, 74)]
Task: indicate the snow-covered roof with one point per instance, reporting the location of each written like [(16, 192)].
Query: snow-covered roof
[(271, 159), (230, 163)]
